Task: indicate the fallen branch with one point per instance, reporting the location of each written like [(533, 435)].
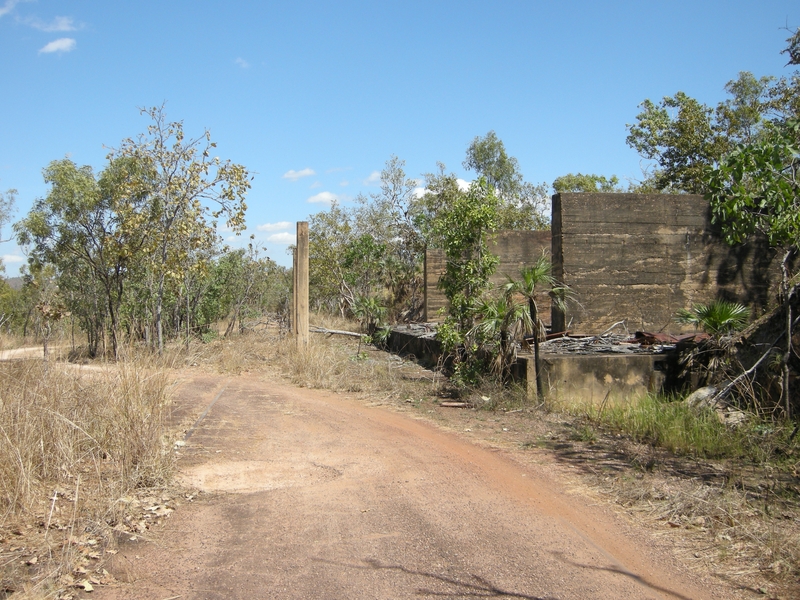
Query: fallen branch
[(720, 395), (335, 332), (607, 331)]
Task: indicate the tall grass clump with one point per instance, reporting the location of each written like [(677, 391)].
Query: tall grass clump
[(101, 431), (685, 430)]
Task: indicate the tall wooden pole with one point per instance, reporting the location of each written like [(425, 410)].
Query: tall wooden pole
[(301, 284), (293, 311)]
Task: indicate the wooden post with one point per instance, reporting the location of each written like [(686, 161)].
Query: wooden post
[(301, 284), (293, 310)]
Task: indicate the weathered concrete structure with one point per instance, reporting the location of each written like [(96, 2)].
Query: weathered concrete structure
[(594, 378), (627, 257), (515, 249), (642, 257)]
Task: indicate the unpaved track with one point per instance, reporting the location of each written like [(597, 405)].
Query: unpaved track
[(317, 496)]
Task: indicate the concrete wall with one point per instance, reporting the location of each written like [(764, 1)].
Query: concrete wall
[(515, 249), (642, 257), (593, 378)]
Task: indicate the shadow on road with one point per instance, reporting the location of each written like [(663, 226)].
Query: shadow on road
[(479, 588), (638, 578)]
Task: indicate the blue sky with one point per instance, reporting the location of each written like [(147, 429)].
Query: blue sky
[(314, 97)]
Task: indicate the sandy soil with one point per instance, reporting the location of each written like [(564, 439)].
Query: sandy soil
[(308, 494)]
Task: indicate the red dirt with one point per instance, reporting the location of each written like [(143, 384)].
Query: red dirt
[(307, 494)]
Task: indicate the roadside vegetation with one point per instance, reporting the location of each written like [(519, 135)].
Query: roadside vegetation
[(77, 450), (128, 275)]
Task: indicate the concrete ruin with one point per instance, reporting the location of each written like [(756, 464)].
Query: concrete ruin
[(515, 249), (629, 258), (640, 258)]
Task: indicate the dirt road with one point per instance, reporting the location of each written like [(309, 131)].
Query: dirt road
[(313, 495)]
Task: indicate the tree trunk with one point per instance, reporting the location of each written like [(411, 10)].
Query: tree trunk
[(159, 305), (788, 295), (534, 310)]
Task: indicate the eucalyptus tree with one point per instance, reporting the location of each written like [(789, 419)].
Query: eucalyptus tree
[(578, 182), (522, 205), (6, 211), (83, 228), (684, 137), (330, 233), (185, 190), (391, 217)]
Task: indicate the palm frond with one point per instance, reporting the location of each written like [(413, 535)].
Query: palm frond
[(719, 317)]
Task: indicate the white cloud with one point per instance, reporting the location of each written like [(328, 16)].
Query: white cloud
[(242, 63), (324, 197), (8, 6), (12, 258), (344, 183), (419, 192), (59, 45), (274, 226), (316, 184), (293, 175), (282, 238), (373, 178), (57, 24)]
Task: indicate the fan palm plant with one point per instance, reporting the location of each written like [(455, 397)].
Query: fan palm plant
[(369, 311), (504, 318), (719, 319), (535, 280)]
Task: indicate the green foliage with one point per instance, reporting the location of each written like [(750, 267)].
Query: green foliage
[(6, 211), (209, 336), (82, 229), (133, 250), (372, 249), (381, 336), (716, 318), (679, 134), (522, 205), (502, 321), (534, 280), (712, 361), (793, 48), (586, 183), (755, 188), (370, 313), (681, 429), (185, 189), (685, 137), (460, 229)]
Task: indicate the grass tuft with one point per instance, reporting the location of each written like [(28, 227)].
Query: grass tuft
[(71, 445)]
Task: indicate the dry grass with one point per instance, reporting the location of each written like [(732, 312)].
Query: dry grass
[(727, 498), (336, 363), (746, 538), (73, 444)]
